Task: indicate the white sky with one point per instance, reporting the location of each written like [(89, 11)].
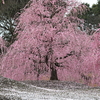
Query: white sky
[(89, 1)]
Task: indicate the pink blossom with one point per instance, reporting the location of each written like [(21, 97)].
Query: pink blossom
[(48, 42)]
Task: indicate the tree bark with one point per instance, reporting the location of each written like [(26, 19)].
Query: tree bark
[(53, 74)]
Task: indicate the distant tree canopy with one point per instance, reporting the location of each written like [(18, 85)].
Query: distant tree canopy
[(96, 8), (92, 16), (7, 21), (10, 7)]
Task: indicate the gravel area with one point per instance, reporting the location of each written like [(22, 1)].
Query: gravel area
[(46, 90), (58, 85)]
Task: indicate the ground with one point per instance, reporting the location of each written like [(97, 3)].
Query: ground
[(46, 90)]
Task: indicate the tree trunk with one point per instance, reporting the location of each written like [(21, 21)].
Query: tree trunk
[(53, 74)]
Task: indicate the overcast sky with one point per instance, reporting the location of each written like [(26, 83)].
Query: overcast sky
[(89, 1)]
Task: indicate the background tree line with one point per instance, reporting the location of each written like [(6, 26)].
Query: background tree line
[(11, 7), (92, 17)]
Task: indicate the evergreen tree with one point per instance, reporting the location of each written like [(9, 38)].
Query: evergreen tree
[(8, 11), (92, 18)]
